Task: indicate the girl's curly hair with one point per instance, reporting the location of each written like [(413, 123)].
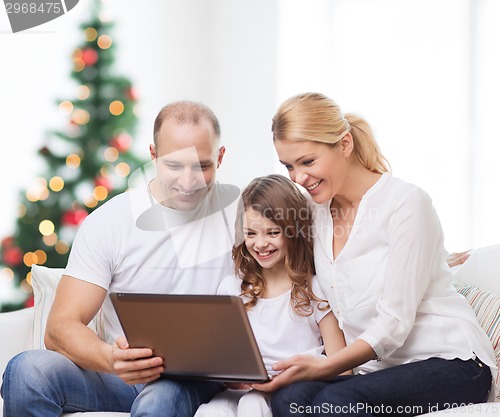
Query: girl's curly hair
[(278, 199)]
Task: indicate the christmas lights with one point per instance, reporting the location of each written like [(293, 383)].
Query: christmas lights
[(87, 162)]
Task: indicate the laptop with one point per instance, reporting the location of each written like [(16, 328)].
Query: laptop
[(200, 337)]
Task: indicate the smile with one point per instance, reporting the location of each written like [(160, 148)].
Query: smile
[(266, 253), (314, 186), (186, 193)]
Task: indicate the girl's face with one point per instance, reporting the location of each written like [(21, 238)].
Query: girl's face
[(319, 168), (264, 240)]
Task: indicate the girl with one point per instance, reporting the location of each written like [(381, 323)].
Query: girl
[(274, 275), (380, 260)]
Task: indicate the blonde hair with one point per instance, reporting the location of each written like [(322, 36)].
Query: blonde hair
[(315, 117)]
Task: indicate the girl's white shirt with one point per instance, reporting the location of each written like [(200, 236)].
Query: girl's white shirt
[(279, 331)]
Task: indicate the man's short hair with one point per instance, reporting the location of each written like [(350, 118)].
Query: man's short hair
[(186, 112)]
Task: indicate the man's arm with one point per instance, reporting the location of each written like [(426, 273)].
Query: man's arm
[(76, 303)]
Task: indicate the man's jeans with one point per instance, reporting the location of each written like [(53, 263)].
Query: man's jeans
[(45, 383), (405, 390)]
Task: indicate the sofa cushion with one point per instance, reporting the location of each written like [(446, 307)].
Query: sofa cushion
[(486, 305), (44, 282), (16, 329)]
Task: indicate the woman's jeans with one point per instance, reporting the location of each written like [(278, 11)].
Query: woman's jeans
[(45, 383), (404, 390)]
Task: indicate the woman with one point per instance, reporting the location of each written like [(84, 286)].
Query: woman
[(381, 263)]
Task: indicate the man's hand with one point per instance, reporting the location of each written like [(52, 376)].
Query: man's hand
[(135, 366)]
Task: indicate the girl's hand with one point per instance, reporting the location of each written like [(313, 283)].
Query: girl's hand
[(135, 366), (297, 368)]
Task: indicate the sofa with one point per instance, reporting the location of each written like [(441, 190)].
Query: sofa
[(24, 329), (478, 280)]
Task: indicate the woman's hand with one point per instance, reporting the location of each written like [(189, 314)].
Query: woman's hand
[(457, 258), (238, 385), (297, 368), (135, 366), (310, 368)]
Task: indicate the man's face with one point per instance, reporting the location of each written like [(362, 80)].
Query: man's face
[(186, 162)]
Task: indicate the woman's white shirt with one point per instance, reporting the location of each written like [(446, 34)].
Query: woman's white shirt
[(391, 286)]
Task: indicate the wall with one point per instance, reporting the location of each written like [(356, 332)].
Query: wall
[(221, 52), (423, 72)]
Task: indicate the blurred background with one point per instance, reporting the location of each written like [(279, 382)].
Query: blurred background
[(424, 73)]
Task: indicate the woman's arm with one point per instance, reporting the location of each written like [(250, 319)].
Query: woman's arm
[(415, 259), (339, 361), (309, 368), (333, 337), (415, 253)]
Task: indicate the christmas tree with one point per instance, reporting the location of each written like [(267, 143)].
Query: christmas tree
[(86, 164)]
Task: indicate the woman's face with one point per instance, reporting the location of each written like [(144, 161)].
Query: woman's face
[(318, 167)]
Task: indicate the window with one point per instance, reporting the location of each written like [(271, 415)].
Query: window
[(424, 73)]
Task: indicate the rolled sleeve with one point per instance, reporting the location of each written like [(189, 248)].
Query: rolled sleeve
[(414, 241)]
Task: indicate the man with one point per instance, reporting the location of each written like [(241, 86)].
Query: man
[(158, 239)]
